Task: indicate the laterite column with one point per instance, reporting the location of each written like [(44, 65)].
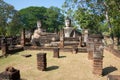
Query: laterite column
[(23, 37), (98, 57), (56, 52), (61, 45), (41, 61), (90, 48), (4, 46)]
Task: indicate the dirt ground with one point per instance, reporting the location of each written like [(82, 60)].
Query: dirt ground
[(68, 67)]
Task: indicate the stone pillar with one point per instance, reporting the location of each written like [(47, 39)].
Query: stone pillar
[(41, 61), (61, 39), (97, 66), (74, 50), (90, 48), (56, 52), (4, 46), (98, 57), (93, 41), (23, 37), (80, 41)]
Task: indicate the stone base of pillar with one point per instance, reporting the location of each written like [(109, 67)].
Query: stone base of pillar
[(97, 66), (90, 55)]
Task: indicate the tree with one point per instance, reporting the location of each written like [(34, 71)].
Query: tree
[(51, 17), (86, 14), (55, 19), (105, 14), (6, 13), (15, 25), (114, 15), (30, 15)]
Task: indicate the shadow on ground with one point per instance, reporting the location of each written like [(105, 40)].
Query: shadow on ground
[(23, 79), (62, 56), (108, 70), (52, 68)]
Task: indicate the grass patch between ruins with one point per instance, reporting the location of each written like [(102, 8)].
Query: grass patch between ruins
[(68, 67)]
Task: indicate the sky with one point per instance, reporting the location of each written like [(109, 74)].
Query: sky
[(19, 4)]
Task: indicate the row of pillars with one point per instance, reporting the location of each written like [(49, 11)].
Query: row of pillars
[(4, 46), (42, 60), (95, 53)]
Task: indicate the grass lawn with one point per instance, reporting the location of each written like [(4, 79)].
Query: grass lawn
[(68, 67)]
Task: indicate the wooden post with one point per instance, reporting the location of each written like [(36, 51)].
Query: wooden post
[(23, 37)]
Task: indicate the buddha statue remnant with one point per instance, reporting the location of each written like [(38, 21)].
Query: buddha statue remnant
[(35, 39), (85, 36), (67, 29)]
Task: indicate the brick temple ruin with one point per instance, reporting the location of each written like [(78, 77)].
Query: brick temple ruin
[(58, 42)]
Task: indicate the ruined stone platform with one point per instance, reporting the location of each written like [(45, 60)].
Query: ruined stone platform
[(65, 49)]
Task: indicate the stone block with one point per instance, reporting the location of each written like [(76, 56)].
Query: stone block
[(10, 74), (41, 61), (56, 52)]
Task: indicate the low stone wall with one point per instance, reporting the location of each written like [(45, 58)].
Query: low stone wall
[(113, 51)]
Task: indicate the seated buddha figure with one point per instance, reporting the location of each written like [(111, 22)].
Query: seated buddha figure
[(35, 39), (68, 29)]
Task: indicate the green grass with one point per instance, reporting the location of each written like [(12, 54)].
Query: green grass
[(68, 67)]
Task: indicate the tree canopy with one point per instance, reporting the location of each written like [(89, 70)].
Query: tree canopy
[(12, 21), (96, 15), (7, 12), (51, 18)]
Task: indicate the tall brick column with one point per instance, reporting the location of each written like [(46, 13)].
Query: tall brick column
[(90, 49), (23, 37), (56, 52), (4, 46), (61, 45), (41, 61), (97, 66), (98, 57), (91, 44)]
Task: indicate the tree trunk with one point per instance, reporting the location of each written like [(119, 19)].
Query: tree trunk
[(118, 40), (108, 21)]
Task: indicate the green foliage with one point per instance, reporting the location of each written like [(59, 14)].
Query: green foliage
[(7, 12), (96, 15), (51, 17), (86, 14), (30, 15)]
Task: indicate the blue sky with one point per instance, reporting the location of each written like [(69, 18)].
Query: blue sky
[(19, 4)]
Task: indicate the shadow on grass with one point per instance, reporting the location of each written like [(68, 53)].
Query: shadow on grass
[(62, 56), (108, 70), (23, 79), (52, 68)]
